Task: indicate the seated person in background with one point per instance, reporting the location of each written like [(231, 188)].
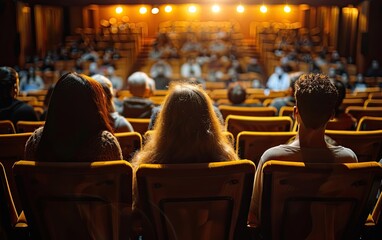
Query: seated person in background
[(119, 123), (191, 69), (139, 105), (342, 119), (374, 70), (316, 99), (237, 94), (31, 81), (289, 100), (187, 131), (279, 80), (254, 66), (11, 108), (115, 80), (77, 128), (161, 72)]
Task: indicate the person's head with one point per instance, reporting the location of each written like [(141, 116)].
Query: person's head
[(236, 93), (139, 84), (279, 70), (187, 130), (107, 87), (9, 83), (77, 114), (316, 99), (374, 64)]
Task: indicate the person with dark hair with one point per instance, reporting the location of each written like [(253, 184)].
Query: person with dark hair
[(316, 100), (11, 108), (46, 102), (119, 123), (341, 118), (237, 94), (77, 127), (31, 81), (289, 100)]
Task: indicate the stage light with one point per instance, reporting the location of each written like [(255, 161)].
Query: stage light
[(287, 9), (155, 10), (168, 9), (192, 9), (215, 8), (240, 8), (143, 10), (263, 9), (118, 10)]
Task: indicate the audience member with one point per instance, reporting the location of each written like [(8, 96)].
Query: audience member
[(11, 108), (76, 127), (316, 99), (237, 94), (119, 123), (187, 131), (31, 81), (161, 71), (279, 80), (254, 66), (115, 80), (191, 69), (342, 119), (374, 70), (289, 100), (139, 105)]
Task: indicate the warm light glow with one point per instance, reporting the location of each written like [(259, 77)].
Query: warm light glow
[(118, 10), (155, 10), (240, 8), (287, 9), (143, 10), (192, 9), (215, 8), (25, 9), (263, 9), (168, 9)]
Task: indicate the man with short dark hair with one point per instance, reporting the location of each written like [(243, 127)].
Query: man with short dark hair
[(316, 99), (11, 108)]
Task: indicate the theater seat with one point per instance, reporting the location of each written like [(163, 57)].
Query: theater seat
[(367, 145), (130, 142), (196, 201), (76, 200), (317, 201), (6, 127)]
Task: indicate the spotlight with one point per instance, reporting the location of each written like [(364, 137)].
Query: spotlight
[(118, 10), (192, 9), (143, 10), (215, 8), (240, 8), (263, 9), (155, 10), (287, 9), (168, 9)]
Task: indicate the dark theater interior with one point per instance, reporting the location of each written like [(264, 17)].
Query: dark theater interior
[(191, 120)]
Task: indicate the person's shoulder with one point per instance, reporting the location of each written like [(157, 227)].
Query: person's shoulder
[(344, 154), (278, 152)]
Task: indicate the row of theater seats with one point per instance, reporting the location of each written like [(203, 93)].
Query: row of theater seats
[(192, 201)]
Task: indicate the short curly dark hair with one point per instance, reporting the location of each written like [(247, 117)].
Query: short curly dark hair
[(316, 98)]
